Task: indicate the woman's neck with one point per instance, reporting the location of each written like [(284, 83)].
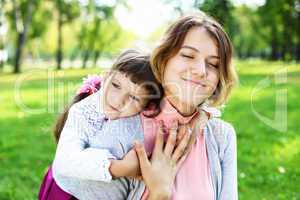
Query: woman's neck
[(181, 107)]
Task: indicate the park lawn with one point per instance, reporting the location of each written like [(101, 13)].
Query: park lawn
[(268, 154)]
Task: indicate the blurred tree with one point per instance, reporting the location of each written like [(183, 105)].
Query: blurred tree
[(2, 32), (22, 15), (106, 39), (250, 40), (222, 11), (99, 29), (28, 19), (281, 17), (67, 11), (297, 10)]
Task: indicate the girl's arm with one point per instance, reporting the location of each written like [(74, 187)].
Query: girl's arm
[(74, 158)]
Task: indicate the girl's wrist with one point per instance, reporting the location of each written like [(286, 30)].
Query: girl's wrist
[(115, 168)]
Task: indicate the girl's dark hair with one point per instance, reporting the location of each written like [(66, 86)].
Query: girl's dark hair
[(136, 66)]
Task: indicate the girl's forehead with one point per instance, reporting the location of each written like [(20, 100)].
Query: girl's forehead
[(128, 85)]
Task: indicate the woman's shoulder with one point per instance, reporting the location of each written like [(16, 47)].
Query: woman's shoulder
[(221, 127), (222, 132)]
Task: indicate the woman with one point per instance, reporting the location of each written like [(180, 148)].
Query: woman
[(193, 63)]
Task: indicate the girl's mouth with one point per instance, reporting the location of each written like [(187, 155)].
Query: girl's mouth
[(113, 108)]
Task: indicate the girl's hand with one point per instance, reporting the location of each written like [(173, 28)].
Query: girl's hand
[(159, 173), (127, 167)]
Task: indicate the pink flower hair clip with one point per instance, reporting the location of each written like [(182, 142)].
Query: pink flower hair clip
[(91, 84)]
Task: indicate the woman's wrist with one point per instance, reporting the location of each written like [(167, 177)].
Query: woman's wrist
[(160, 194)]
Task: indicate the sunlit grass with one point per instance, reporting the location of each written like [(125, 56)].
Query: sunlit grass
[(268, 159)]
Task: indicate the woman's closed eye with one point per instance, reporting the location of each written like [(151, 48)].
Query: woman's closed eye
[(187, 56), (212, 65)]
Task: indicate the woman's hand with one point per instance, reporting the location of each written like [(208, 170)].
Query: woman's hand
[(159, 173), (194, 127)]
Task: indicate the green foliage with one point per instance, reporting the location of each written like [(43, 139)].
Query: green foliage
[(271, 30), (268, 160), (222, 11)]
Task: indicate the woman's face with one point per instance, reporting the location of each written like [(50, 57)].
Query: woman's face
[(191, 75)]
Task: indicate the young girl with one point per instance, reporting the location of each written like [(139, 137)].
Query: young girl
[(93, 142)]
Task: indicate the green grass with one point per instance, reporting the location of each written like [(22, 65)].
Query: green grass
[(268, 158)]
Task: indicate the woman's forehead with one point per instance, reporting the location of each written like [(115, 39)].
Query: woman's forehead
[(199, 40)]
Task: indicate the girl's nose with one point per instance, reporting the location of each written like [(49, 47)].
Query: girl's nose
[(121, 100)]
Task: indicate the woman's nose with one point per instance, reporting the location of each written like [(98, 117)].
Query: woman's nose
[(200, 68)]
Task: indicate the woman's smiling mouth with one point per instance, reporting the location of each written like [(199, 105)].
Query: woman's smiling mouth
[(194, 82)]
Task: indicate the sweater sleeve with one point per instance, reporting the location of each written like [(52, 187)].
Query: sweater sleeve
[(229, 189), (73, 156)]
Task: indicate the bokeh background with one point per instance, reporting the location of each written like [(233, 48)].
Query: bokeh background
[(48, 46)]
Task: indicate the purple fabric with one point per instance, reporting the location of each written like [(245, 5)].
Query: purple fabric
[(49, 190)]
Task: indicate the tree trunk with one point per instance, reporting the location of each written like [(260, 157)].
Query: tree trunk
[(275, 50), (298, 52), (22, 32), (96, 57), (59, 53), (19, 51), (86, 55)]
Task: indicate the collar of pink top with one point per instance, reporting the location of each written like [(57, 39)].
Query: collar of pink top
[(169, 113)]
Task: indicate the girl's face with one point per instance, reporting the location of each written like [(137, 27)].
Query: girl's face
[(191, 75), (122, 97)]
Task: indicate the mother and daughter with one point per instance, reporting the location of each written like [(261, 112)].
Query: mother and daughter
[(149, 131)]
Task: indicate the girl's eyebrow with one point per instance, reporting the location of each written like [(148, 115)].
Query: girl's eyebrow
[(195, 49)]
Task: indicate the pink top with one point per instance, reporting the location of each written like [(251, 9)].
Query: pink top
[(193, 180)]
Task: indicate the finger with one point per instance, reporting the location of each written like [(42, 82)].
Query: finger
[(195, 118), (180, 161), (159, 140), (171, 139), (181, 132), (181, 148), (198, 123), (142, 156), (191, 143)]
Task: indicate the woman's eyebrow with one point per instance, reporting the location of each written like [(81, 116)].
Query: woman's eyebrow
[(195, 49), (190, 47)]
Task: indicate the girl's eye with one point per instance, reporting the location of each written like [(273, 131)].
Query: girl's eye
[(116, 85), (187, 56), (134, 98)]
